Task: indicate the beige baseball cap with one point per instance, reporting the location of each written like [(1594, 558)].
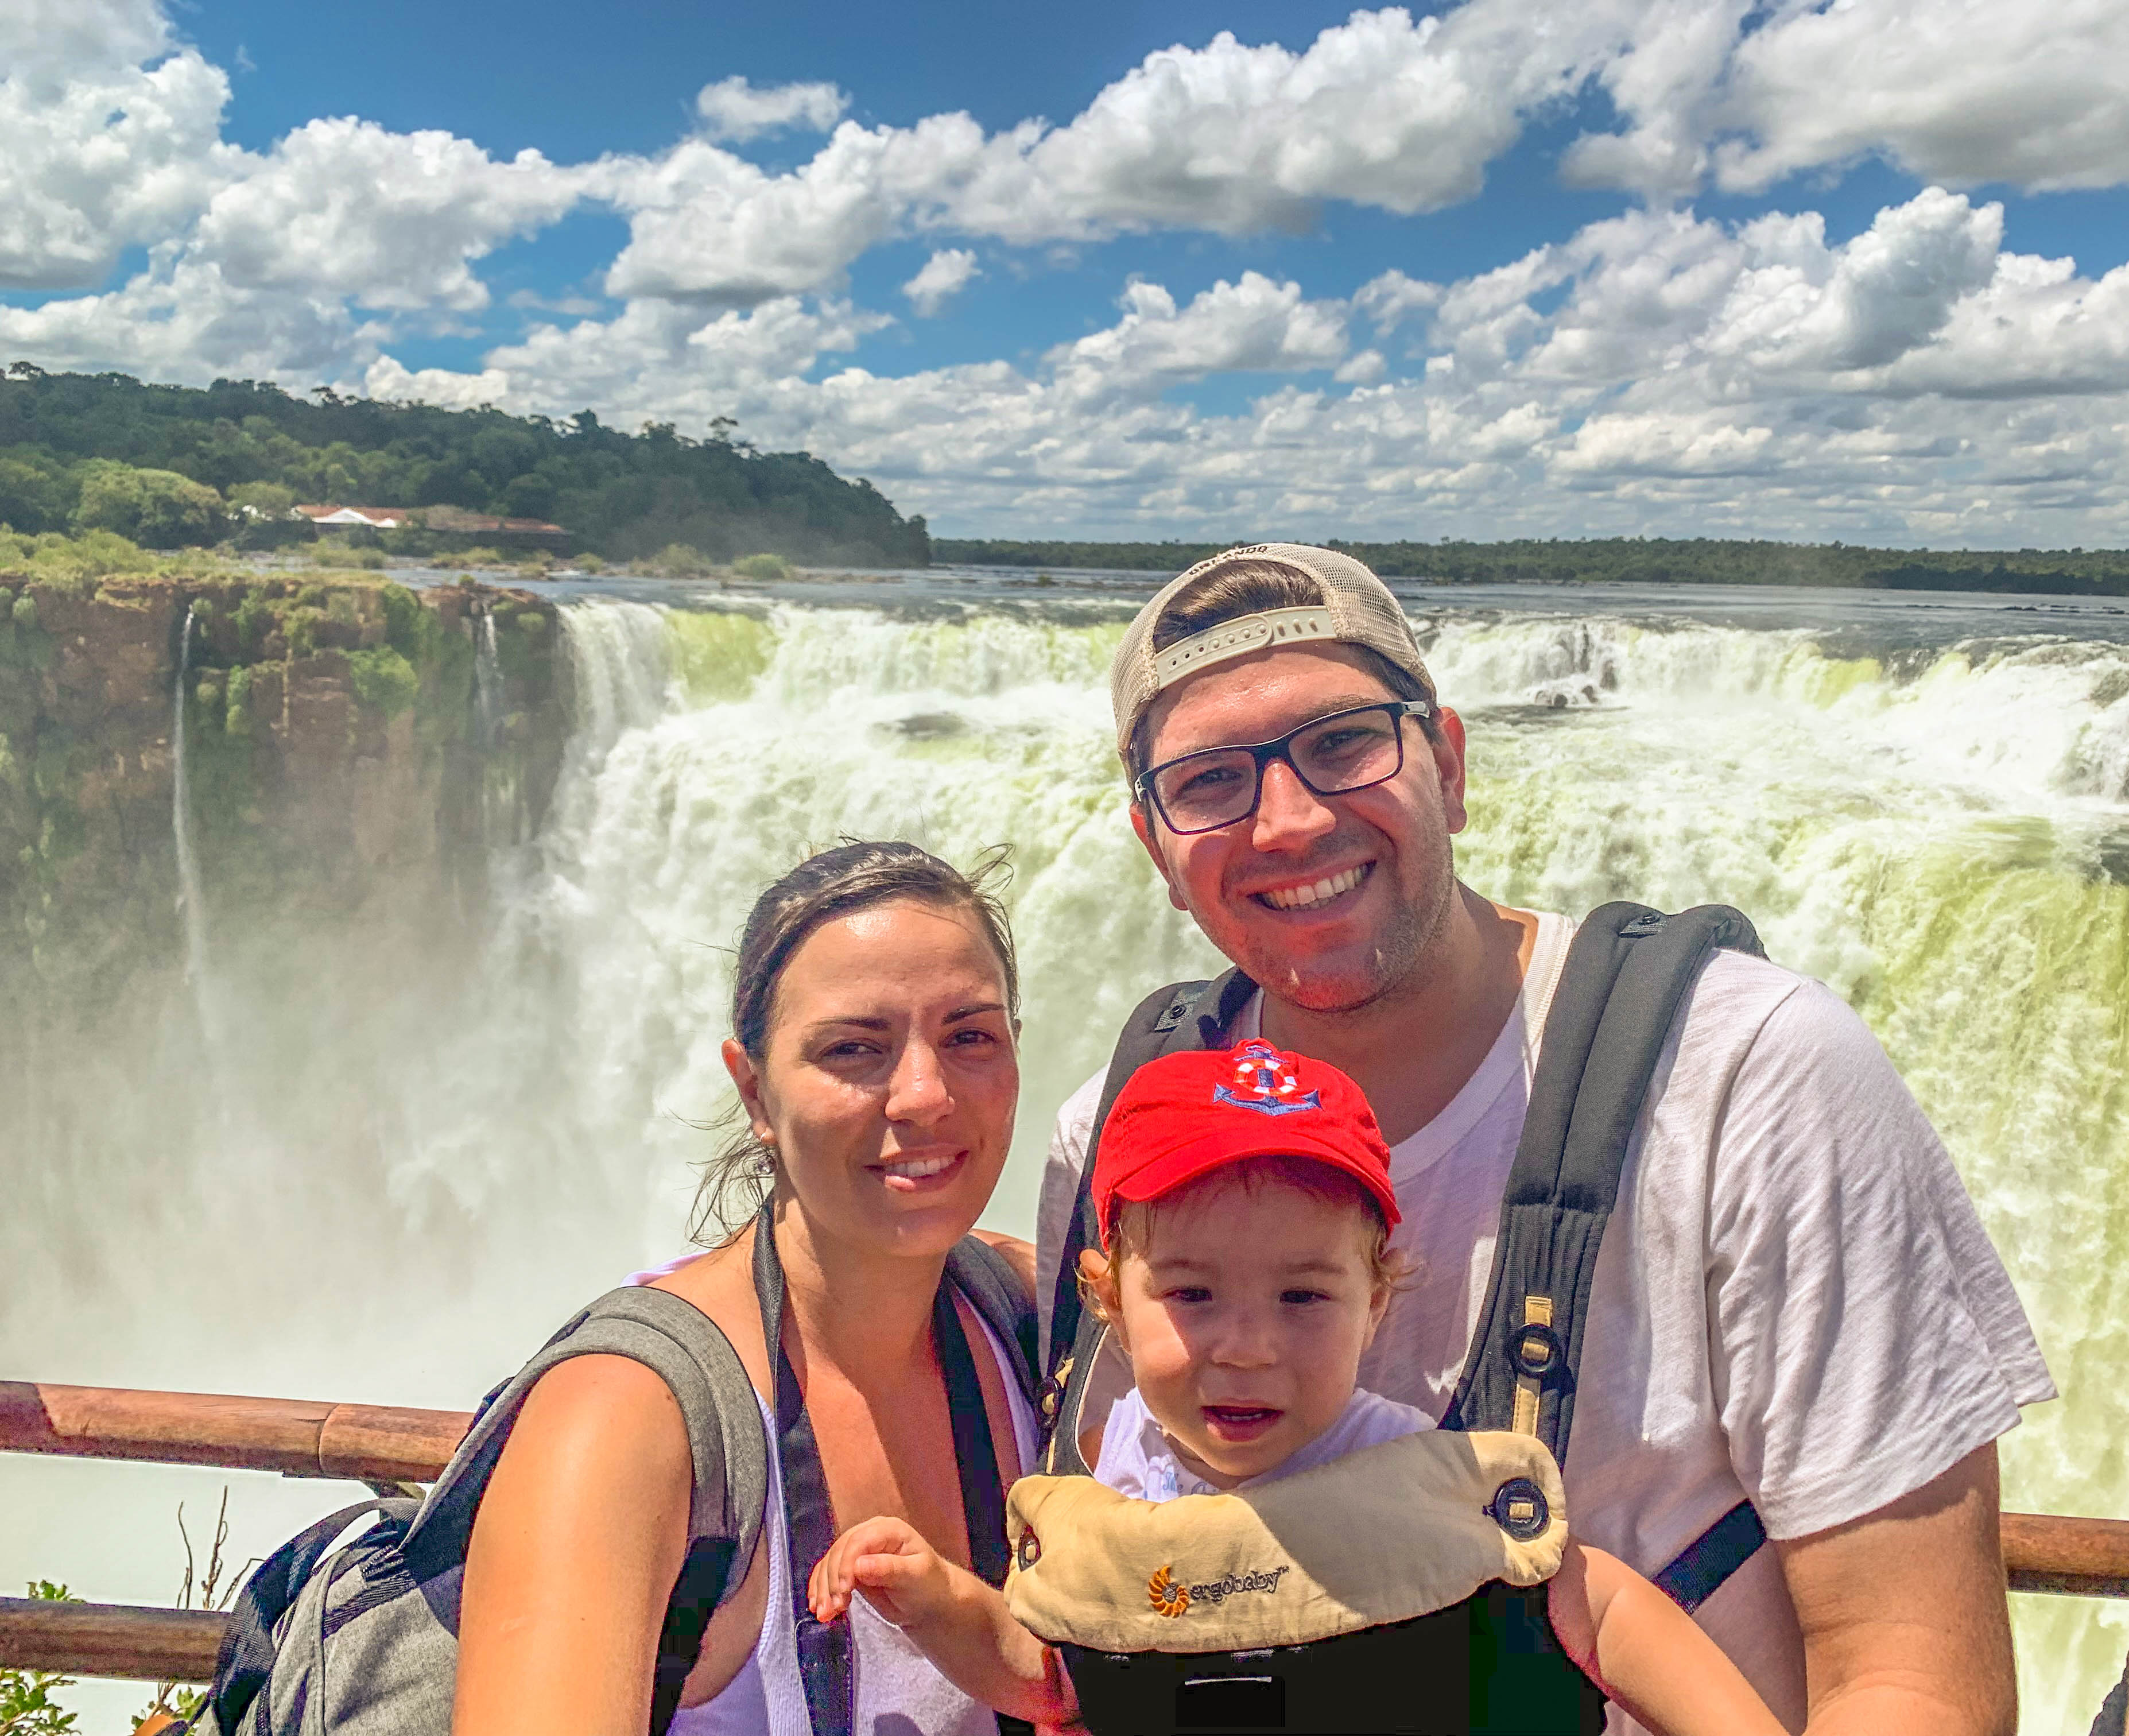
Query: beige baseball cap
[(1357, 608)]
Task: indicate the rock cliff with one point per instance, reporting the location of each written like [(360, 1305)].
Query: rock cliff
[(347, 740)]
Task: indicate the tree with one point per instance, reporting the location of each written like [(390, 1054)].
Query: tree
[(265, 499), (158, 509)]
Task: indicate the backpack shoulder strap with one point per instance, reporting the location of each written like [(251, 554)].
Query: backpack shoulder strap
[(1628, 970), (1191, 1015), (678, 1343), (993, 1288)]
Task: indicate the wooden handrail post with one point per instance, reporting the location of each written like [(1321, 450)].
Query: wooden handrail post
[(120, 1640), (367, 1442)]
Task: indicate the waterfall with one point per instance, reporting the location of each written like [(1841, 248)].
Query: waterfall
[(488, 679), (1936, 824), (191, 900)]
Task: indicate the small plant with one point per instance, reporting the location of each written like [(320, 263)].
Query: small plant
[(384, 680), (590, 564), (677, 560), (26, 1706), (772, 568), (209, 1590), (340, 553)]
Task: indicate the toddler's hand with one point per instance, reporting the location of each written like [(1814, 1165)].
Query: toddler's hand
[(902, 1576)]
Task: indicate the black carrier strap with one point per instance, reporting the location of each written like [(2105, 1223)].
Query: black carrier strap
[(825, 1663), (1181, 1016), (1627, 972)]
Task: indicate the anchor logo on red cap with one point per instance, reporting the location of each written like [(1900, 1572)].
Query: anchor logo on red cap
[(1262, 1069)]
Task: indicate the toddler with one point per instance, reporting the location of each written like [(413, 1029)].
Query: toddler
[(1244, 1208)]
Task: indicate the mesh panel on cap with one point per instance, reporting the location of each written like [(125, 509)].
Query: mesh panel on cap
[(1361, 608)]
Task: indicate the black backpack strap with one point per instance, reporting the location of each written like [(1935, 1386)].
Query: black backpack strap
[(826, 1665), (1702, 1566), (1627, 972), (1066, 1402), (246, 1657), (1181, 1016)]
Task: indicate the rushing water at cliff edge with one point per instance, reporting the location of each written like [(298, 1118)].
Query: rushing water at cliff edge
[(1928, 806)]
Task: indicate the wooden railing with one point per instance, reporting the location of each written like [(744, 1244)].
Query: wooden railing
[(373, 1444)]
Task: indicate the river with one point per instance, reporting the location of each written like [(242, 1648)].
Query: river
[(423, 1166)]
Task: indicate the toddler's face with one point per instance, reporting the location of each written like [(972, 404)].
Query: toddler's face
[(1245, 1316)]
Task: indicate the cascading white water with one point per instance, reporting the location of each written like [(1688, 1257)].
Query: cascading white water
[(487, 678), (191, 900), (1941, 831)]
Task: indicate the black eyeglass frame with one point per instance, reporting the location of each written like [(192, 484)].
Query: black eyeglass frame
[(1280, 748)]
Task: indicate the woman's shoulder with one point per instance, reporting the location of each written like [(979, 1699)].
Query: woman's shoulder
[(719, 1282), (600, 1442), (1016, 1251)]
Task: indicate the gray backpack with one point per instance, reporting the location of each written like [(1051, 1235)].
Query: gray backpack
[(362, 1640)]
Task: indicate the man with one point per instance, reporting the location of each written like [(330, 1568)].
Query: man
[(1794, 1304)]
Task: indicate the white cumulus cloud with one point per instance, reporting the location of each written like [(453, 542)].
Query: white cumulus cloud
[(1959, 91), (389, 220), (1251, 325), (1655, 369), (1383, 111), (99, 157), (1963, 92), (944, 276), (732, 108)]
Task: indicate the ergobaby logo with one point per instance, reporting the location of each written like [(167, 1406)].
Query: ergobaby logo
[(1164, 1595), (1219, 1591), (1171, 1600), (1272, 1087)]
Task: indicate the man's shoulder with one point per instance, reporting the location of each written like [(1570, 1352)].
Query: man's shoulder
[(1745, 1005), (1076, 1117), (1742, 988)]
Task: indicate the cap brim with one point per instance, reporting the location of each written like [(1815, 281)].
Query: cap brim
[(1199, 1157)]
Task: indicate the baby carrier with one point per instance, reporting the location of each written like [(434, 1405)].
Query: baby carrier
[(1401, 1588)]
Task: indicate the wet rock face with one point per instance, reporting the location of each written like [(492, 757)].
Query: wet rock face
[(335, 753)]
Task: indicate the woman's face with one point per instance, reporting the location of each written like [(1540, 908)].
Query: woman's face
[(886, 1085)]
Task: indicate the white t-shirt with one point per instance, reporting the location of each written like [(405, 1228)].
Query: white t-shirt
[(1137, 1460), (1795, 1301)]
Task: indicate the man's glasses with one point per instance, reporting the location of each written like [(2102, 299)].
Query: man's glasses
[(1333, 756)]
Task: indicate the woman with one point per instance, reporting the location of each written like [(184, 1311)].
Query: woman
[(875, 1021)]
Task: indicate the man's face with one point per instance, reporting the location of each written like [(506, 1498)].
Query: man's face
[(1329, 901)]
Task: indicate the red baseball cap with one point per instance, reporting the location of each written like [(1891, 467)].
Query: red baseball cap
[(1183, 1116)]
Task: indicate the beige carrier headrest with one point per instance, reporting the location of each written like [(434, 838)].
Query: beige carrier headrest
[(1381, 1535)]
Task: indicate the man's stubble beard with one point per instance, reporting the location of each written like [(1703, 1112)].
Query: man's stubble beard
[(1404, 960)]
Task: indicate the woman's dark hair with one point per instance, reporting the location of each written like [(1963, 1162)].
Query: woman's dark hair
[(854, 876)]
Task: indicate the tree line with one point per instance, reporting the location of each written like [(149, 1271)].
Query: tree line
[(1624, 560), (171, 466)]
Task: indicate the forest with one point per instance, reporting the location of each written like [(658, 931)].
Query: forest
[(170, 466), (1626, 561)]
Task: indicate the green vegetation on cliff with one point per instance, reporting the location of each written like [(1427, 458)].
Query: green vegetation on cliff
[(1626, 561), (169, 465)]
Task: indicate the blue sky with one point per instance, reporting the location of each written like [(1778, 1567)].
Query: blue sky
[(1662, 266)]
